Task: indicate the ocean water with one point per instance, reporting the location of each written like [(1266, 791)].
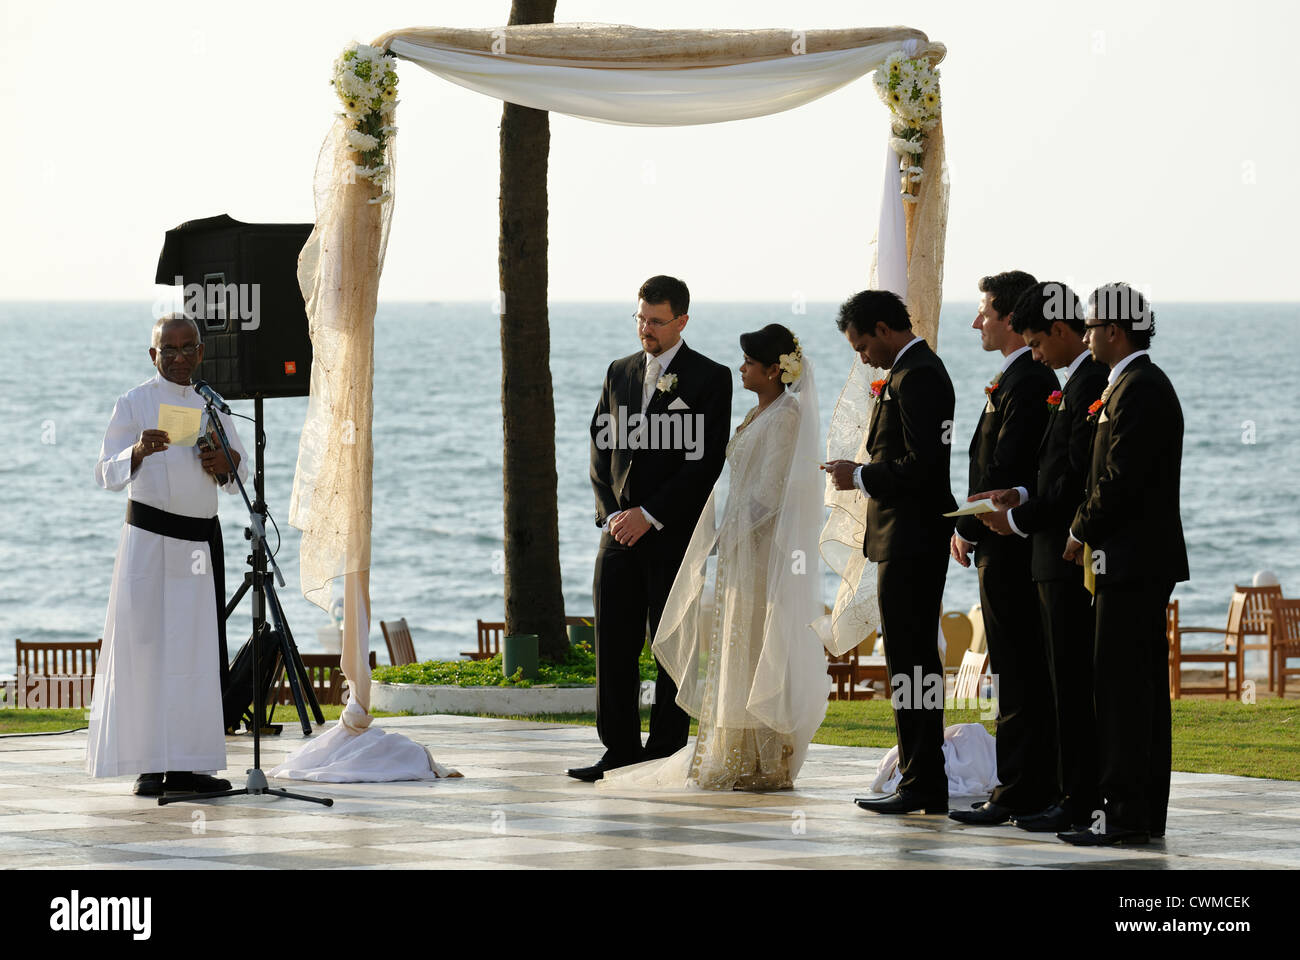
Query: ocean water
[(437, 482)]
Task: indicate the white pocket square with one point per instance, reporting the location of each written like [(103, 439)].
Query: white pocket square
[(678, 404), (1103, 418)]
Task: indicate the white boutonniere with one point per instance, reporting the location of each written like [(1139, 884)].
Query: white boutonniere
[(667, 383)]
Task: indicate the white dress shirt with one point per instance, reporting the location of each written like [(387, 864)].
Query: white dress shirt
[(648, 388)]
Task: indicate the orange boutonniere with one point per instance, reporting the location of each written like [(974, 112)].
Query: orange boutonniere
[(1054, 399), (1096, 408), (878, 387), (992, 388)]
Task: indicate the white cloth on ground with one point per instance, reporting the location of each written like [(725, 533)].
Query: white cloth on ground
[(340, 756), (157, 702), (969, 758)]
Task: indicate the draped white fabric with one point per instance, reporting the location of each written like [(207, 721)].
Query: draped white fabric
[(856, 612), (340, 267), (652, 96)]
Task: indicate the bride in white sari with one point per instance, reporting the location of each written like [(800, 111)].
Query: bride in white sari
[(736, 633)]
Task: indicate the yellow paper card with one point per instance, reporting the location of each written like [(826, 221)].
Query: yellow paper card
[(181, 423)]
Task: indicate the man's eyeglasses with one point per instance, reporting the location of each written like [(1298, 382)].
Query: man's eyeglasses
[(651, 322), (191, 350), (1099, 323)]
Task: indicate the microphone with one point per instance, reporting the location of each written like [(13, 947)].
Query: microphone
[(207, 393)]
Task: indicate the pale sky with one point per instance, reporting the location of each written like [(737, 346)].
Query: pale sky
[(1138, 140)]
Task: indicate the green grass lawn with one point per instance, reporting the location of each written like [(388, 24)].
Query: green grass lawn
[(52, 721), (1210, 736)]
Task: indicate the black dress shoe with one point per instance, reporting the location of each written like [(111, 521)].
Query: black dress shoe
[(148, 785), (587, 774), (1055, 819), (903, 803), (987, 814), (1111, 838), (180, 781), (597, 770)]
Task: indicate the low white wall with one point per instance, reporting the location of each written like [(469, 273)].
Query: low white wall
[(422, 698)]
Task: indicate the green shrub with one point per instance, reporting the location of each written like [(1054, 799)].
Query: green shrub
[(578, 669)]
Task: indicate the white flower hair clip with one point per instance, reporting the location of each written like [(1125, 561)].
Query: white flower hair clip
[(792, 364)]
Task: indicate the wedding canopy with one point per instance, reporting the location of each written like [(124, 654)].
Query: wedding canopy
[(608, 73)]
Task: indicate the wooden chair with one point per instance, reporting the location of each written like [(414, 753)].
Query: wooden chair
[(848, 670), (1229, 654), (490, 633), (1258, 621), (326, 678), (1286, 640), (957, 634), (64, 670), (401, 648), (978, 642), (969, 675), (489, 640)]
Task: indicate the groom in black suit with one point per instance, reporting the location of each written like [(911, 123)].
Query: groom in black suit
[(1004, 453), (1049, 317), (658, 442), (906, 481), (1130, 530)]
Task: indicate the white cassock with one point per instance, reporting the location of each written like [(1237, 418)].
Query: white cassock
[(157, 702)]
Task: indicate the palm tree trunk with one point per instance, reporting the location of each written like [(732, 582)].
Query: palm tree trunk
[(534, 597)]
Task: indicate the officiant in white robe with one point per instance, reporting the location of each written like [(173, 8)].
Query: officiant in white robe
[(157, 703)]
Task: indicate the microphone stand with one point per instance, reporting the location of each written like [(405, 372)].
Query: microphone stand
[(256, 784)]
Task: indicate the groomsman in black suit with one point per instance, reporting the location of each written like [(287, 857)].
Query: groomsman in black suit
[(658, 442), (1049, 317), (1129, 533), (906, 481), (1003, 454)]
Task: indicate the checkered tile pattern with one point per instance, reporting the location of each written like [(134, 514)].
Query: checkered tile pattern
[(515, 810)]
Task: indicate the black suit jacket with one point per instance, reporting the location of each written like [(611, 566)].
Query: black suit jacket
[(1064, 457), (1004, 449), (668, 479), (909, 440), (1131, 512)]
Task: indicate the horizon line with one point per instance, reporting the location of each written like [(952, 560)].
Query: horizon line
[(480, 301)]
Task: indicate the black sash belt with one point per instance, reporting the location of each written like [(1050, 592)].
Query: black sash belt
[(204, 529)]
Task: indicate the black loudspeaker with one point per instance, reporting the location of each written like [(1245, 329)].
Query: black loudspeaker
[(241, 287)]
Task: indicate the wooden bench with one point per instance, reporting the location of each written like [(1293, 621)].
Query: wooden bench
[(326, 678), (490, 633), (54, 674)]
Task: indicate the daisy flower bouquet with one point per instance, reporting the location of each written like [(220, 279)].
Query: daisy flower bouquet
[(365, 79), (910, 88)]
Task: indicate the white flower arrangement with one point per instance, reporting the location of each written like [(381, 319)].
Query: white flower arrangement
[(792, 364), (365, 79), (667, 383), (362, 142), (910, 88)]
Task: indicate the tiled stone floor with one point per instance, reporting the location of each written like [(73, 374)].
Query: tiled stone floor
[(515, 809)]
